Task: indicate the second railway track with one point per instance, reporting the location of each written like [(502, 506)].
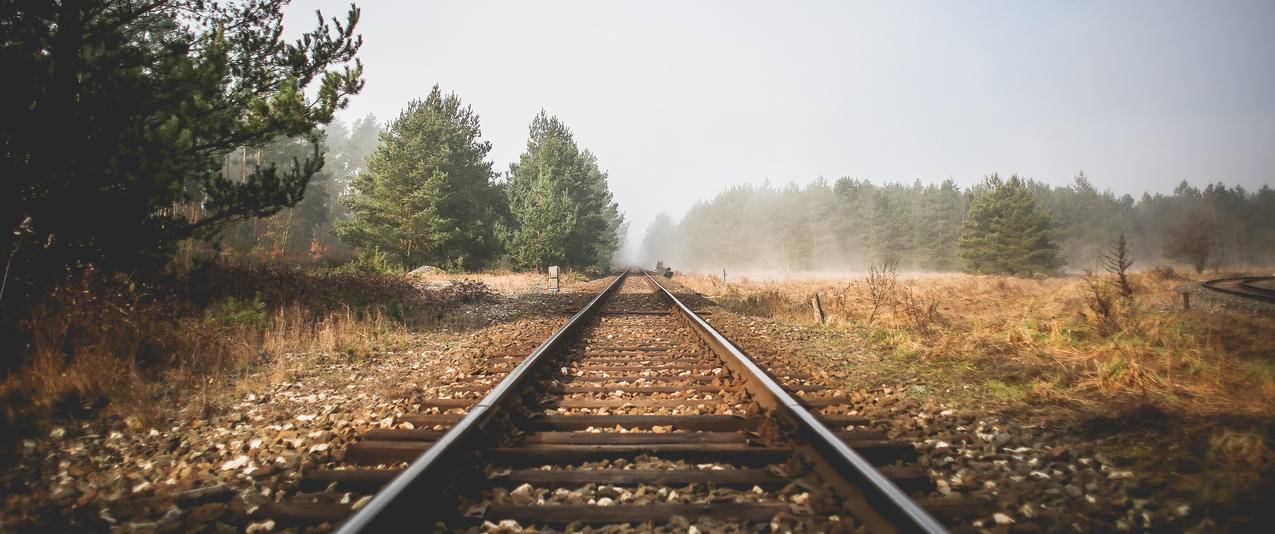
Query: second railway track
[(1260, 288), (635, 412)]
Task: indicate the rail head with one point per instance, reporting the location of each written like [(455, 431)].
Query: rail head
[(887, 499), (397, 506)]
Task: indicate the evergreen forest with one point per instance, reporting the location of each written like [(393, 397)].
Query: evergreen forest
[(851, 224)]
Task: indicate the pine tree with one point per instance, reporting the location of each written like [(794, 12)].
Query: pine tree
[(1005, 232), (428, 195), (112, 144), (561, 209), (1117, 260)]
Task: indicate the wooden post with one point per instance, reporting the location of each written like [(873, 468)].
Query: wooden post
[(1186, 301), (818, 306), (723, 276)]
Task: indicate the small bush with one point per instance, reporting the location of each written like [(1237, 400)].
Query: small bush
[(234, 312), (372, 261)]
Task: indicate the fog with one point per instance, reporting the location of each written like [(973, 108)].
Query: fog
[(681, 101)]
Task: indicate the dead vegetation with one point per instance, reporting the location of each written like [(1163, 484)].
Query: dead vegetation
[(1077, 338), (1069, 351), (103, 342)]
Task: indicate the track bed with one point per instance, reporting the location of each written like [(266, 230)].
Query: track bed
[(631, 414)]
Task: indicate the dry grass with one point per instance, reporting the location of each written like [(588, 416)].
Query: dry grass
[(1042, 338), (504, 281), (1186, 399), (104, 344)]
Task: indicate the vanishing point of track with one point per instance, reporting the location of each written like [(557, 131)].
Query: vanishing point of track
[(639, 399)]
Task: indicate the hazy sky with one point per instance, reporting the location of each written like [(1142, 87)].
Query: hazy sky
[(680, 100)]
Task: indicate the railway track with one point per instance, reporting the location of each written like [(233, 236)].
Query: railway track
[(635, 412), (1260, 288)]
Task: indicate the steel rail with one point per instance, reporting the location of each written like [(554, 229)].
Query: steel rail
[(1263, 294), (1248, 284), (399, 506), (897, 512)]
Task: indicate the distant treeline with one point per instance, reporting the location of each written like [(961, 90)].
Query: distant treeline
[(851, 224)]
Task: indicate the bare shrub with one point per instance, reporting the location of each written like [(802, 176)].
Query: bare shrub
[(882, 284), (1102, 304), (921, 310), (1191, 242)]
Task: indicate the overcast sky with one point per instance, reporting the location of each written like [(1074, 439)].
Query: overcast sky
[(680, 100)]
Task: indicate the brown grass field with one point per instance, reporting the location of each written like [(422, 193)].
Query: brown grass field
[(106, 345), (1187, 397)]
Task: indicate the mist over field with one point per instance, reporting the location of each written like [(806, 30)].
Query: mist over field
[(850, 225)]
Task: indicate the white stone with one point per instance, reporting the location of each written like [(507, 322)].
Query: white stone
[(1002, 519), (237, 463), (264, 526)]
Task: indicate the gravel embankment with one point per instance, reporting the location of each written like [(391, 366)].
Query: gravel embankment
[(248, 445), (1032, 477)]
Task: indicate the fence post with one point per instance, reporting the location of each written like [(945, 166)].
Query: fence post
[(818, 306)]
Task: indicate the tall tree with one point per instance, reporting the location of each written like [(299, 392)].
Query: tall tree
[(657, 242), (561, 209), (1005, 232), (428, 195), (1191, 241), (126, 109)]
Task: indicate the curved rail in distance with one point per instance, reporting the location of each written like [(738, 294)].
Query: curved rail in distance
[(1244, 286)]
